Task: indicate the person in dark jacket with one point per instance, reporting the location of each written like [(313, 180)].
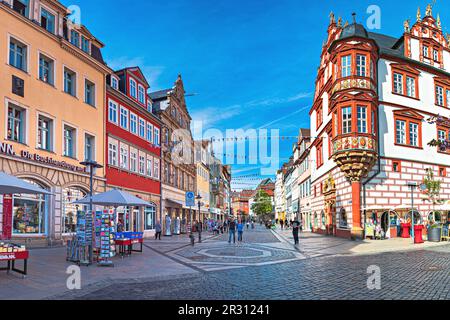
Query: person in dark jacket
[(232, 231), (158, 230), (295, 231)]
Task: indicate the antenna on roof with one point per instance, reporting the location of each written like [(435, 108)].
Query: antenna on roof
[(354, 17)]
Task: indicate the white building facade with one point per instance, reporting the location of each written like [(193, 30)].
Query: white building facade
[(374, 95)]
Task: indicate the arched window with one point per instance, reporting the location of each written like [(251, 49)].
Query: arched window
[(323, 219), (435, 216), (69, 209), (316, 220), (343, 218), (30, 212), (417, 217)]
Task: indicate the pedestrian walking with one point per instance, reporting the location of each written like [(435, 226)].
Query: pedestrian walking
[(158, 230), (281, 224), (253, 224), (240, 230), (232, 231), (248, 224), (295, 231)]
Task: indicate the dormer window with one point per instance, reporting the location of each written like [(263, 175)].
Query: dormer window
[(85, 44), (141, 94), (75, 38), (114, 83), (133, 88), (47, 20)]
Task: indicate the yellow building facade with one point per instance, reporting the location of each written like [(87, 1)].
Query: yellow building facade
[(52, 97)]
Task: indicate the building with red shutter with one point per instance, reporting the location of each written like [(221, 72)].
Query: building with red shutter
[(133, 152)]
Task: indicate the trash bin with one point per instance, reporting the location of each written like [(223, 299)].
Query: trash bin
[(418, 234)]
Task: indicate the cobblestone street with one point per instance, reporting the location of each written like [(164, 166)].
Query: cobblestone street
[(266, 266)]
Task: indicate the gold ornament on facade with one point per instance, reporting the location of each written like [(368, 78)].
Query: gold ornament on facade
[(406, 26), (329, 185), (419, 16), (438, 23), (332, 19), (429, 11), (340, 22)]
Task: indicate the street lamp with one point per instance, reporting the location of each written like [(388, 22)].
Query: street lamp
[(91, 165), (412, 186), (199, 197)]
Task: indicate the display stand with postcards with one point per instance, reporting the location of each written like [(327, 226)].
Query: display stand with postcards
[(11, 253), (105, 238), (78, 249)]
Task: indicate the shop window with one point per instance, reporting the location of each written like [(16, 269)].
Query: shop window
[(343, 218), (149, 218), (30, 213), (70, 210), (396, 166), (442, 172)]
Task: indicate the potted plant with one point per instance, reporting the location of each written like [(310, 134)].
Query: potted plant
[(434, 232)]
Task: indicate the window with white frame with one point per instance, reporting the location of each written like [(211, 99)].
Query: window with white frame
[(45, 133), (124, 156), (346, 66), (16, 124), (361, 65), (114, 83), (362, 119), (69, 141), (112, 111), (18, 54), (133, 88), (46, 69), (156, 169), (346, 120), (142, 164), (436, 55), (133, 123), (156, 137), (85, 44), (133, 160), (89, 93), (149, 105), (439, 96), (398, 83), (89, 147), (142, 128), (411, 87), (141, 94), (425, 51), (400, 128), (112, 152), (75, 38), (414, 134), (149, 132), (70, 80), (124, 118), (149, 167)]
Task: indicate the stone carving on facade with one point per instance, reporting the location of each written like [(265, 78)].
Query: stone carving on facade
[(332, 19), (429, 11), (419, 16), (406, 26)]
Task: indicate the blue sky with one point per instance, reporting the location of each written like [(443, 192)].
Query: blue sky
[(252, 63)]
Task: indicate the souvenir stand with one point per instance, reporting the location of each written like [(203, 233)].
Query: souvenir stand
[(106, 240), (10, 252), (79, 247)]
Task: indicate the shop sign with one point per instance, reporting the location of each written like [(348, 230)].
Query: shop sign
[(9, 150)]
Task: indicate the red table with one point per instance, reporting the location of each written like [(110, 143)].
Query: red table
[(405, 230), (11, 258), (128, 243), (418, 234)]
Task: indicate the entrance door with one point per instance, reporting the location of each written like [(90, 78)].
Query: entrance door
[(136, 220)]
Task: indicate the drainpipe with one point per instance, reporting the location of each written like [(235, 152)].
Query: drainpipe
[(378, 166)]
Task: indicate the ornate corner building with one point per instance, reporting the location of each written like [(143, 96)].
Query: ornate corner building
[(369, 134)]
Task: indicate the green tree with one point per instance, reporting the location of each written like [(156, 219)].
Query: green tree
[(262, 205), (433, 187)]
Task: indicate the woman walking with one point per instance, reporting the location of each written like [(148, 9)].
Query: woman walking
[(240, 230)]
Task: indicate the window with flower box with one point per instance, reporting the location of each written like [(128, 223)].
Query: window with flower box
[(443, 134)]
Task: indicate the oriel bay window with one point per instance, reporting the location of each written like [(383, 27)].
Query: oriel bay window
[(405, 81), (408, 128), (354, 117), (355, 63)]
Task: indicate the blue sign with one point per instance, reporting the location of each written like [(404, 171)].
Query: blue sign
[(190, 199)]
